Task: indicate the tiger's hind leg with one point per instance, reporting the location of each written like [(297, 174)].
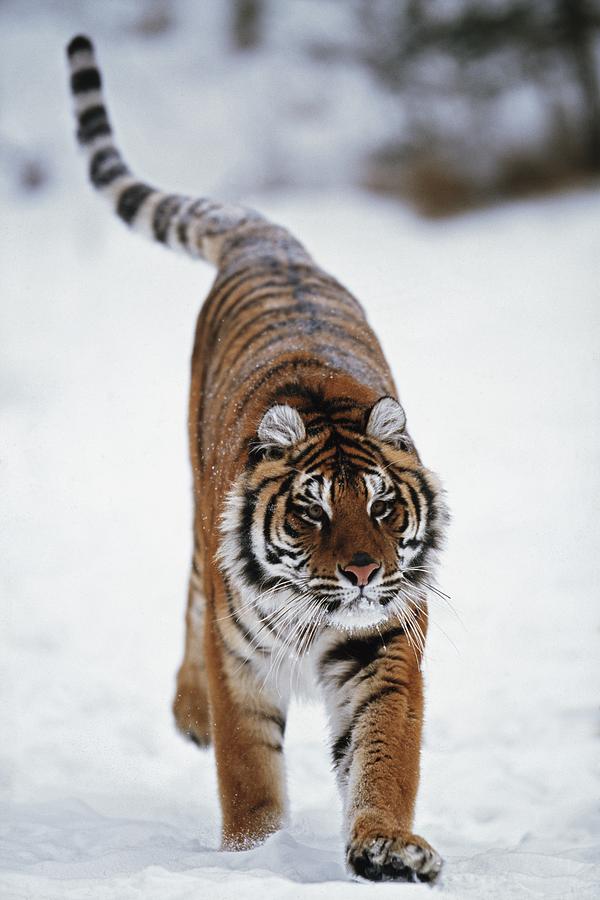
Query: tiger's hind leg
[(190, 704)]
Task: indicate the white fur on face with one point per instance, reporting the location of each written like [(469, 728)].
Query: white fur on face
[(359, 613)]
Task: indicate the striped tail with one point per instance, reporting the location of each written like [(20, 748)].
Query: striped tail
[(198, 227)]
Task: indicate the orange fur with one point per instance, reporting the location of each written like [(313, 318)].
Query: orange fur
[(316, 526)]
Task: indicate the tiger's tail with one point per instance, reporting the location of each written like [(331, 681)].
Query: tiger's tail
[(199, 227)]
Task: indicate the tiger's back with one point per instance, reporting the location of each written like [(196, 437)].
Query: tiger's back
[(274, 328), (316, 527)]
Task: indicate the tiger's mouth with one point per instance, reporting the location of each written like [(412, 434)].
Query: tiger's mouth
[(350, 607), (358, 608), (360, 612), (294, 601)]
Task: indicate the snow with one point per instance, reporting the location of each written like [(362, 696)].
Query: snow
[(492, 325)]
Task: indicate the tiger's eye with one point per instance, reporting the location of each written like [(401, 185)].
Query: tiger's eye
[(378, 507), (315, 511)]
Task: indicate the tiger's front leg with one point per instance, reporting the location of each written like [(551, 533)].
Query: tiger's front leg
[(248, 724), (373, 688)]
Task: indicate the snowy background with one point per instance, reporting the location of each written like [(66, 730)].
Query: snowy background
[(491, 322)]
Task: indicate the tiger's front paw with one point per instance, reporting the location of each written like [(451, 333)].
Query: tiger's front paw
[(405, 857)]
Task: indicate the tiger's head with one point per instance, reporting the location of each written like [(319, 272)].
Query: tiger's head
[(334, 517)]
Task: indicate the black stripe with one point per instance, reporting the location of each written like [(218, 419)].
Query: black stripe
[(79, 42), (291, 364), (164, 214), (287, 528), (86, 80), (419, 478), (243, 630), (344, 460), (105, 166), (242, 660), (226, 288), (295, 555), (93, 123), (416, 502), (275, 718), (252, 568), (337, 442), (373, 698), (307, 451), (361, 651), (131, 199), (398, 683), (356, 443), (199, 208), (341, 746), (106, 178), (277, 748), (100, 157), (375, 745), (313, 327), (312, 311), (272, 555), (279, 312), (269, 479), (328, 451), (259, 292), (319, 420), (409, 542), (225, 346), (351, 671)]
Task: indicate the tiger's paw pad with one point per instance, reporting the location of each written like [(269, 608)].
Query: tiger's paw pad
[(408, 858)]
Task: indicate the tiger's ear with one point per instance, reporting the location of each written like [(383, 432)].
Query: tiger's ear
[(281, 427), (387, 422)]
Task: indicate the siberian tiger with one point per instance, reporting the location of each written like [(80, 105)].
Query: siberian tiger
[(316, 526)]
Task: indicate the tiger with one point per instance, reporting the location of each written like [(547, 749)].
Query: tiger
[(317, 529)]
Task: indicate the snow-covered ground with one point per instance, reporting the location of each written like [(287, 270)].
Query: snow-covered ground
[(492, 325)]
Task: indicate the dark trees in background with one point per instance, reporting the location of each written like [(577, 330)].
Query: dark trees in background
[(578, 23), (475, 54), (246, 23), (467, 101)]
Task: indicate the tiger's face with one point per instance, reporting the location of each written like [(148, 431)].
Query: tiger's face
[(340, 527)]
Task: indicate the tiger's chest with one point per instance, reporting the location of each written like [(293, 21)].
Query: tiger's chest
[(284, 652)]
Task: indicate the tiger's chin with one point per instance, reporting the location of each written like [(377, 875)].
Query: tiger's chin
[(359, 614)]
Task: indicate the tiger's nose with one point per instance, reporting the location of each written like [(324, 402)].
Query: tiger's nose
[(361, 569)]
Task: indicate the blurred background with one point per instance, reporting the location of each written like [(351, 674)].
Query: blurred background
[(442, 160), (447, 104)]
